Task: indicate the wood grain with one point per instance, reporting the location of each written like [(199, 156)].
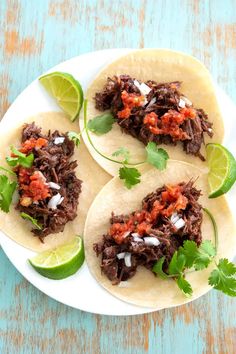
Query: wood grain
[(35, 35)]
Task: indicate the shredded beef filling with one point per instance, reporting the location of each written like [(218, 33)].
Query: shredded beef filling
[(170, 237), (163, 98), (55, 165)]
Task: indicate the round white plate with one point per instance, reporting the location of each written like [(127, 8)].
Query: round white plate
[(81, 290)]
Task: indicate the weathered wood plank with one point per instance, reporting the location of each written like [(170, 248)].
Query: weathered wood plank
[(37, 35)]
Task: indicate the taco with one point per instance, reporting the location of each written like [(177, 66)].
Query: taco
[(159, 96), (55, 184), (126, 233)]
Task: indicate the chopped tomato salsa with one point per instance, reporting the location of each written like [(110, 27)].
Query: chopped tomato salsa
[(130, 100), (32, 143), (141, 222), (34, 186), (169, 123)]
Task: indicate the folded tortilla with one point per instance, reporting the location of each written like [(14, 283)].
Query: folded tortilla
[(144, 289), (160, 65), (92, 176)]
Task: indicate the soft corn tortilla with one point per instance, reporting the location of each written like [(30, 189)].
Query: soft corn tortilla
[(92, 176), (160, 65), (144, 289)]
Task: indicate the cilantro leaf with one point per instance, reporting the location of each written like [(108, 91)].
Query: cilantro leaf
[(199, 257), (222, 278), (7, 188), (156, 156), (130, 176), (122, 151), (184, 285), (34, 221), (101, 124), (20, 159), (157, 268), (177, 264), (74, 137)]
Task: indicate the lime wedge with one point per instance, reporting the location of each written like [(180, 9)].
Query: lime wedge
[(66, 90), (222, 169), (60, 262)]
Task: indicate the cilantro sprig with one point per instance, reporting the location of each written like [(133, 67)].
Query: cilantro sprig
[(190, 257), (101, 124), (75, 137), (7, 189), (20, 159), (128, 172), (32, 220)]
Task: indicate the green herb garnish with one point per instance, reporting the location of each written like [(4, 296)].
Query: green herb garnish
[(7, 189), (131, 175), (123, 152), (101, 124), (75, 137), (32, 220), (191, 256), (20, 159), (222, 278), (156, 156)]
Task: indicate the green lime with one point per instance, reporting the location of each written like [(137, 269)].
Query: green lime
[(222, 169), (60, 262), (66, 90)]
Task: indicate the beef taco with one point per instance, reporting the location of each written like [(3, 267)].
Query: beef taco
[(55, 181), (127, 232), (155, 95)]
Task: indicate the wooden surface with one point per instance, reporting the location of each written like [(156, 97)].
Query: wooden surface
[(36, 35)]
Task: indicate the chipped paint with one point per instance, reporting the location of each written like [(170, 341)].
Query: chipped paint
[(14, 45)]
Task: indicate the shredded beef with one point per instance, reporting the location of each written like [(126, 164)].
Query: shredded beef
[(169, 237), (54, 162), (167, 97)]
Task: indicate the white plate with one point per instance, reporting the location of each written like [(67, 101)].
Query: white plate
[(81, 291)]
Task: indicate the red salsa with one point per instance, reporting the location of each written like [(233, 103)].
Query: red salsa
[(140, 222)]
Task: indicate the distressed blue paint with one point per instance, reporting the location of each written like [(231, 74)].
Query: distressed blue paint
[(30, 322)]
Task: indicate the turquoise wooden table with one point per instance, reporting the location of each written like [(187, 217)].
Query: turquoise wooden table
[(36, 35)]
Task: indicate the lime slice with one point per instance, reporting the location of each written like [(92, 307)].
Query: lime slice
[(66, 90), (222, 166), (60, 262)]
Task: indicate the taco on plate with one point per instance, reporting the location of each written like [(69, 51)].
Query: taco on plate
[(127, 232), (55, 182), (159, 96)]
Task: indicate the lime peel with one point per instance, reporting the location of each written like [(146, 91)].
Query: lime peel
[(66, 90), (222, 169), (61, 262)]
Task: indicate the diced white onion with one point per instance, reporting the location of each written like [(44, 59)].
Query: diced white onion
[(143, 88), (128, 259), (121, 255), (187, 101), (181, 103), (137, 239), (153, 100), (174, 218), (55, 201), (59, 140), (179, 223), (210, 130), (124, 284), (125, 234), (54, 185), (151, 241)]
